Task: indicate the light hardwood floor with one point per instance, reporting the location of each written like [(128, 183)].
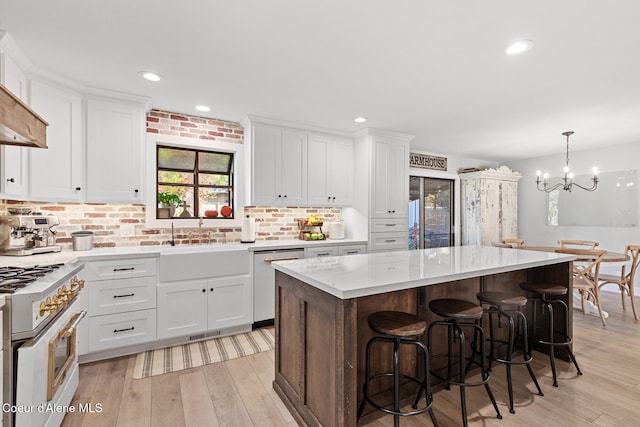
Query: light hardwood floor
[(239, 393)]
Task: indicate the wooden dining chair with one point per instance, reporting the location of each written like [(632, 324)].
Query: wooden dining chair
[(579, 243), (586, 275), (501, 245), (626, 277), (515, 242)]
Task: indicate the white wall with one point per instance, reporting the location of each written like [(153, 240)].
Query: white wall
[(532, 203)]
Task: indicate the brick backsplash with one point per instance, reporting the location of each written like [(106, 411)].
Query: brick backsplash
[(110, 222)]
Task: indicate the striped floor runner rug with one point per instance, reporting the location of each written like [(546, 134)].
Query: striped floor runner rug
[(179, 357)]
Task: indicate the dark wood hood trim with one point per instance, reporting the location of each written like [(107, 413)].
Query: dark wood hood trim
[(19, 125)]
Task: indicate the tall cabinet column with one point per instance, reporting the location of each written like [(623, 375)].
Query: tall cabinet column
[(489, 206)]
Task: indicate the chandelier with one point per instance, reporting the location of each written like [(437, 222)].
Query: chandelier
[(567, 182)]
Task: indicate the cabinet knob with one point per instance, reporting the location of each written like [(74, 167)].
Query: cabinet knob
[(136, 191), (393, 211), (334, 197), (285, 196), (11, 180), (388, 211), (78, 188), (211, 289), (279, 196), (204, 290), (329, 198)]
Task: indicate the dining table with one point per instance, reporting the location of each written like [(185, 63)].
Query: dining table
[(609, 257)]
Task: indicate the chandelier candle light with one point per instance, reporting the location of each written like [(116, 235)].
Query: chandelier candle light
[(567, 182)]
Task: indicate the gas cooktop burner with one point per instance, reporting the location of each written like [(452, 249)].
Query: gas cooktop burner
[(14, 278)]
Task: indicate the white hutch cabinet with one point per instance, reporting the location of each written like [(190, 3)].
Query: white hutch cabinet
[(489, 206)]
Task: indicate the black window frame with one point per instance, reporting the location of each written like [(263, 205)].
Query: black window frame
[(196, 185)]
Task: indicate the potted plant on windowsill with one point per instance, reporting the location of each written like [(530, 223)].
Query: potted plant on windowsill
[(167, 203)]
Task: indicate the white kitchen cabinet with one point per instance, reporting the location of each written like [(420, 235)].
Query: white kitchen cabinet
[(56, 173), (13, 172), (489, 206), (330, 170), (390, 174), (279, 162), (121, 302), (382, 195), (115, 135), (194, 306), (315, 252)]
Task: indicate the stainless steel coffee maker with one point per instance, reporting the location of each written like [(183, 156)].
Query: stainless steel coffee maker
[(24, 234)]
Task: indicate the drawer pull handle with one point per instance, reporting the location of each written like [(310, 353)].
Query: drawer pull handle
[(124, 269), (270, 260), (351, 252), (123, 330), (123, 296), (323, 254), (390, 240), (390, 225)]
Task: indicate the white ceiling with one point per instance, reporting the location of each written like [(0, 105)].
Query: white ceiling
[(432, 68)]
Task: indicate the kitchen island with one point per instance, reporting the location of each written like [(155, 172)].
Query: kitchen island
[(322, 305)]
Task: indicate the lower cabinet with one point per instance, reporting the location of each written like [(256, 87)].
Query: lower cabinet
[(121, 299), (195, 306), (121, 329)]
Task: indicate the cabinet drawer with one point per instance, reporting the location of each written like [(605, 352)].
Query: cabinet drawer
[(352, 250), (322, 251), (122, 268), (120, 295), (388, 225), (116, 330), (388, 242)]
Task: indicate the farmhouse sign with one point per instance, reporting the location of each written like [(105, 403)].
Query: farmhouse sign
[(425, 161)]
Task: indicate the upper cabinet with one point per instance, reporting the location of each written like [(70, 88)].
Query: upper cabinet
[(115, 135), (56, 173), (298, 167), (13, 171), (390, 177), (330, 170), (279, 166)]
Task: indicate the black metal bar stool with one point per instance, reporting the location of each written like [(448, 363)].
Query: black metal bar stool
[(397, 327), (541, 290), (460, 314), (506, 306)]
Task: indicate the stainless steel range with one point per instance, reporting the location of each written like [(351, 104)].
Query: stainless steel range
[(40, 322)]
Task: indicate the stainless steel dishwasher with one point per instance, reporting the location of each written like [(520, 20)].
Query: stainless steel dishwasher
[(264, 295)]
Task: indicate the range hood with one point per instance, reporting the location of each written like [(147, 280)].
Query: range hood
[(19, 125)]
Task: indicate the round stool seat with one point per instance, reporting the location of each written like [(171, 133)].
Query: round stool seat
[(501, 298), (397, 323), (544, 288), (455, 309)]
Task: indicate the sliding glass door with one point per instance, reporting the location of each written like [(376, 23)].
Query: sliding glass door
[(430, 212)]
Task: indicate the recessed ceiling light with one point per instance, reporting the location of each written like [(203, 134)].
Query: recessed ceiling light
[(360, 119), (152, 77), (519, 47), (203, 108)]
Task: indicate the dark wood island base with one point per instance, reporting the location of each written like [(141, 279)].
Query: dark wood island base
[(321, 339)]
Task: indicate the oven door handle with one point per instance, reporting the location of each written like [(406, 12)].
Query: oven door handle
[(75, 320)]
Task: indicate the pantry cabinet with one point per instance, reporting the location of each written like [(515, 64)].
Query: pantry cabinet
[(115, 135), (383, 194), (489, 206), (330, 176), (195, 306), (62, 109), (279, 161)]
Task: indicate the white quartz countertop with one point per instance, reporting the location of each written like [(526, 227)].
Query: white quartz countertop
[(100, 254), (369, 274)]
